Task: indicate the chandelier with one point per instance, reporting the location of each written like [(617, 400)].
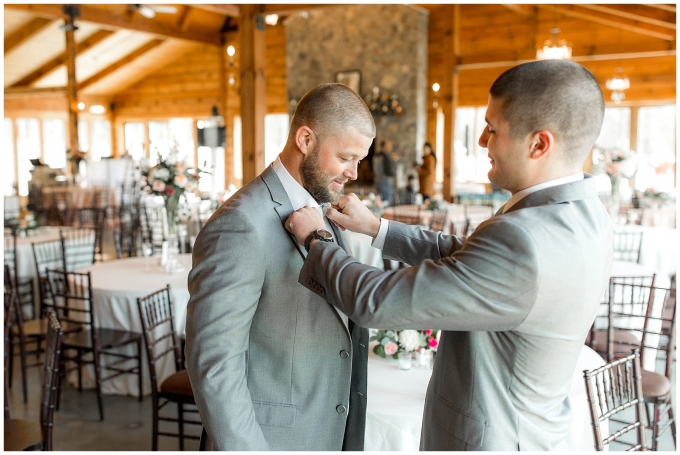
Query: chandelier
[(617, 84), (554, 48)]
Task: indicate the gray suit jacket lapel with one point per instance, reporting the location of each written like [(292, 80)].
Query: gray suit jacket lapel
[(284, 208)]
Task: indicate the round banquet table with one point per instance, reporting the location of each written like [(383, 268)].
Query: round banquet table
[(396, 399), (116, 285)]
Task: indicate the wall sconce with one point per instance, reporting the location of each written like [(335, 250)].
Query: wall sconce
[(231, 51), (81, 106), (435, 89)]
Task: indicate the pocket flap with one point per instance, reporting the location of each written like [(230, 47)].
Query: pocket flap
[(275, 414), (462, 426)]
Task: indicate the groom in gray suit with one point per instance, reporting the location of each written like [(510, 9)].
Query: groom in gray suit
[(272, 365), (515, 300)]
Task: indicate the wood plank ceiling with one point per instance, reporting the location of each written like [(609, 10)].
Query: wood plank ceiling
[(117, 46)]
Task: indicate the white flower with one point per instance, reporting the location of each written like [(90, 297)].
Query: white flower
[(409, 340), (191, 186), (181, 180), (171, 159), (162, 173)]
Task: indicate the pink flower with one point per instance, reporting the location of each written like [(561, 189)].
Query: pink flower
[(391, 348), (428, 332), (158, 185), (432, 342), (169, 190)]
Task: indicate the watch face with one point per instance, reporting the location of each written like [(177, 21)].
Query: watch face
[(324, 234)]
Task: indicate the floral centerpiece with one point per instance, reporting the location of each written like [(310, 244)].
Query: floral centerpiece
[(616, 163), (74, 158), (170, 178), (392, 342)]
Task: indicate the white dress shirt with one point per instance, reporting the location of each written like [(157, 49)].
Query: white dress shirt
[(299, 197), (379, 241)]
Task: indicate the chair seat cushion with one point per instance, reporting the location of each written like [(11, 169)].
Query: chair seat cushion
[(106, 339), (38, 328), (655, 385), (624, 342), (178, 384), (22, 435)]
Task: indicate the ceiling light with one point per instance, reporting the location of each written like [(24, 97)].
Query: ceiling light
[(81, 106), (271, 19), (97, 109), (435, 87), (231, 51), (617, 84), (554, 48)]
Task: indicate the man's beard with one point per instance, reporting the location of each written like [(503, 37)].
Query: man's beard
[(315, 181)]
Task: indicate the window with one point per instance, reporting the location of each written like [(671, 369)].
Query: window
[(471, 161), (7, 170), (181, 133), (134, 139), (615, 131), (159, 141), (28, 147), (84, 135), (54, 143), (656, 148), (101, 139), (275, 136)]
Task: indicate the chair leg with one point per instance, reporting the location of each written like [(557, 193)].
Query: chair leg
[(97, 373), (154, 442), (139, 367), (10, 366), (22, 349), (79, 361), (655, 427), (62, 375), (180, 423), (672, 417)]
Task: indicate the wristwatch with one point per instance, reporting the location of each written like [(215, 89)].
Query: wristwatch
[(319, 234)]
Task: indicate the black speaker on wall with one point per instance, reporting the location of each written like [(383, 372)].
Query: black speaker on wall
[(214, 136)]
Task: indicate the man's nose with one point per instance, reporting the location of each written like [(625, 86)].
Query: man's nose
[(483, 139), (351, 172)]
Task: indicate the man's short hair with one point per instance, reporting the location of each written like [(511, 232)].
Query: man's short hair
[(330, 108), (560, 96)]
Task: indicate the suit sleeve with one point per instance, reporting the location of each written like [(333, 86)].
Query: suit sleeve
[(224, 286), (490, 284), (412, 245)]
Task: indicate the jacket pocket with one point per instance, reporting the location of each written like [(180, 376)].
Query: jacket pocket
[(275, 414), (462, 426)]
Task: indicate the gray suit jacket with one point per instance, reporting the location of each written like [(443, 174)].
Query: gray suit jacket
[(271, 364), (515, 301)]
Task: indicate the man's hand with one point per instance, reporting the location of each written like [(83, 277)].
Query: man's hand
[(303, 222), (350, 213)]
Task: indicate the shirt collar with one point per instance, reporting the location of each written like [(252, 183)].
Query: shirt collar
[(299, 197), (541, 186)]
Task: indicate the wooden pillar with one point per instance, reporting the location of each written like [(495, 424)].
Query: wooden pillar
[(71, 86), (449, 89), (253, 90), (115, 153), (633, 137), (228, 151), (15, 132)]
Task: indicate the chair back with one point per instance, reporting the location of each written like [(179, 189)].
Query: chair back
[(72, 293), (10, 257), (642, 310), (627, 245), (158, 327), (611, 389), (93, 218), (152, 223), (47, 255), (438, 221), (50, 384), (406, 214), (78, 246), (127, 232)]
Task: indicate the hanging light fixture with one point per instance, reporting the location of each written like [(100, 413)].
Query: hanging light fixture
[(617, 84), (435, 89), (554, 48)]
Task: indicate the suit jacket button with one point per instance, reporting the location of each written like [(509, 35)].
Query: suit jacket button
[(344, 354), (321, 291), (341, 409), (309, 282)]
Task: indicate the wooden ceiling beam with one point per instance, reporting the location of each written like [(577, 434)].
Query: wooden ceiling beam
[(670, 8), (227, 10), (627, 15), (134, 22), (293, 8), (25, 32), (60, 60), (573, 11), (31, 92), (524, 10), (120, 63)]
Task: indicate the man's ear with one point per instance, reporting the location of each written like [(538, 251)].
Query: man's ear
[(305, 140), (542, 143)]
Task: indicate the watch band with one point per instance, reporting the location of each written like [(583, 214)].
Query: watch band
[(319, 234)]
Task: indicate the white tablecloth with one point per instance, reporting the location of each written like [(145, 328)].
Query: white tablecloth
[(115, 288), (396, 399)]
